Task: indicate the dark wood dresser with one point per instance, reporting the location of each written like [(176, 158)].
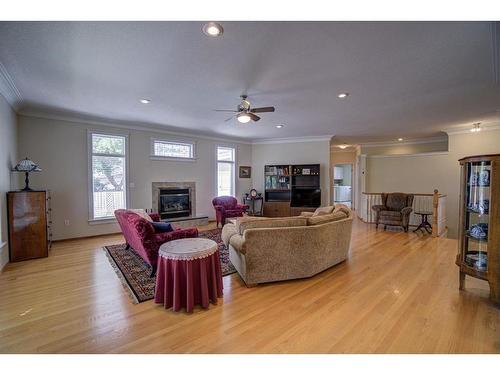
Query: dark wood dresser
[(28, 222)]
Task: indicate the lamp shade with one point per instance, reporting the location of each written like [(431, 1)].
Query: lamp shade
[(26, 165)]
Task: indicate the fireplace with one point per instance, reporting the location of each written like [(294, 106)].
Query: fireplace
[(173, 202)]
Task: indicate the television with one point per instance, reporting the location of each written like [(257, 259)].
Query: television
[(306, 197)]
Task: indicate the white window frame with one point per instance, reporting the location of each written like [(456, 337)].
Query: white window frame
[(90, 153), (173, 141), (233, 192)]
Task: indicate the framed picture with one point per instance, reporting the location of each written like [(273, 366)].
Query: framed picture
[(245, 172)]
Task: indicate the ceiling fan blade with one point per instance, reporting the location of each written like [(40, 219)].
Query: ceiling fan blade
[(262, 109), (225, 110), (253, 116), (226, 120)]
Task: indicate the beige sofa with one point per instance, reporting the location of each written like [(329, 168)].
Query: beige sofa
[(272, 249)]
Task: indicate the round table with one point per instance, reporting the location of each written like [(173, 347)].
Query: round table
[(424, 223), (189, 273)]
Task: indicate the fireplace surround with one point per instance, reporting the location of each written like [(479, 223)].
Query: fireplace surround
[(176, 202)]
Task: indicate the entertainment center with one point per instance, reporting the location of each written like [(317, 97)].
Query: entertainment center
[(291, 189)]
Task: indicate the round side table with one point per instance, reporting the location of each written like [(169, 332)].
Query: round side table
[(424, 224), (189, 273)]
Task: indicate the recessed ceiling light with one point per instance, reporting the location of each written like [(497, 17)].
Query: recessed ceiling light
[(344, 146), (280, 126), (243, 118), (400, 139), (145, 101), (343, 95), (213, 29)]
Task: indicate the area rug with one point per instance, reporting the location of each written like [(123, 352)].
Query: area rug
[(134, 272)]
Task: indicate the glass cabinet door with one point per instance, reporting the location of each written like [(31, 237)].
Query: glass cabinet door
[(477, 205)]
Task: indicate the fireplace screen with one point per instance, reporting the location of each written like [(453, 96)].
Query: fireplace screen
[(174, 203)]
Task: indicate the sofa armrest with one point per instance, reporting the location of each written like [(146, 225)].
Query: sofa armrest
[(176, 235), (242, 207), (406, 210), (155, 217), (378, 207)]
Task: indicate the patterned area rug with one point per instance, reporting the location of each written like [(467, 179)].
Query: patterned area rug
[(134, 272)]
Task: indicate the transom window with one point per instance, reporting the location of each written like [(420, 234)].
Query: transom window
[(108, 179), (172, 149), (225, 170)]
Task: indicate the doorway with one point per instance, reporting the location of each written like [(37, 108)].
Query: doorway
[(342, 184)]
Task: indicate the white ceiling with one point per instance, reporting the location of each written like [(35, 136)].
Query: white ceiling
[(406, 79)]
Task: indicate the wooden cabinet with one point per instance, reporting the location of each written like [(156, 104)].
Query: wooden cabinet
[(479, 227), (28, 225), (291, 189), (276, 209)]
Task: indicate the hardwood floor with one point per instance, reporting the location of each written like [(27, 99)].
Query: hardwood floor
[(397, 293)]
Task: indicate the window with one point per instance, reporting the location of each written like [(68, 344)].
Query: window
[(172, 149), (108, 180), (225, 170)]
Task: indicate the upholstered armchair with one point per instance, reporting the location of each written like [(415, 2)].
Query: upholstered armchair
[(394, 210), (226, 207), (140, 235)]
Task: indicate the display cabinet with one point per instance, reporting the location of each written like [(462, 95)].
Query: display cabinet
[(479, 226)]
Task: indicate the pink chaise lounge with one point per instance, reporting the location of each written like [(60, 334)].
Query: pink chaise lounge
[(140, 235)]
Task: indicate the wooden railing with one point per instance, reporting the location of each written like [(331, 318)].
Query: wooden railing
[(431, 202)]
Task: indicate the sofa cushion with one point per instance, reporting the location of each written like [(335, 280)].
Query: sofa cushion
[(396, 214), (228, 231), (263, 222), (306, 213), (323, 210), (142, 213), (315, 220)]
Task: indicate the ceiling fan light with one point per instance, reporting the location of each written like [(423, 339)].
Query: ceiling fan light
[(243, 118)]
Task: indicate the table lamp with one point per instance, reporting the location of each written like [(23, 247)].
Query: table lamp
[(26, 166)]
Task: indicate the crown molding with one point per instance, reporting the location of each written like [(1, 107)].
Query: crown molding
[(121, 125), (406, 155), (466, 129), (495, 40), (417, 141), (8, 88), (320, 138)]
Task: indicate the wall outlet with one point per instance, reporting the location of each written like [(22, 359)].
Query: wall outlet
[(66, 222)]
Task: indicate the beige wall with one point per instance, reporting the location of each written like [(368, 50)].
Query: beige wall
[(422, 174), (315, 152), (60, 148), (8, 159)]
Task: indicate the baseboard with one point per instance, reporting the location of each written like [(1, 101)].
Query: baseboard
[(86, 237), (3, 247)]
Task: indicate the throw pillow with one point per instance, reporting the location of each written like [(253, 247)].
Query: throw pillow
[(323, 211), (162, 227), (142, 214), (342, 208)]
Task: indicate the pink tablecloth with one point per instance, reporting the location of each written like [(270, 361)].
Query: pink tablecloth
[(182, 283)]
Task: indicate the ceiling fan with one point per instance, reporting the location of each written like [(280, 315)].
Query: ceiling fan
[(244, 112)]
